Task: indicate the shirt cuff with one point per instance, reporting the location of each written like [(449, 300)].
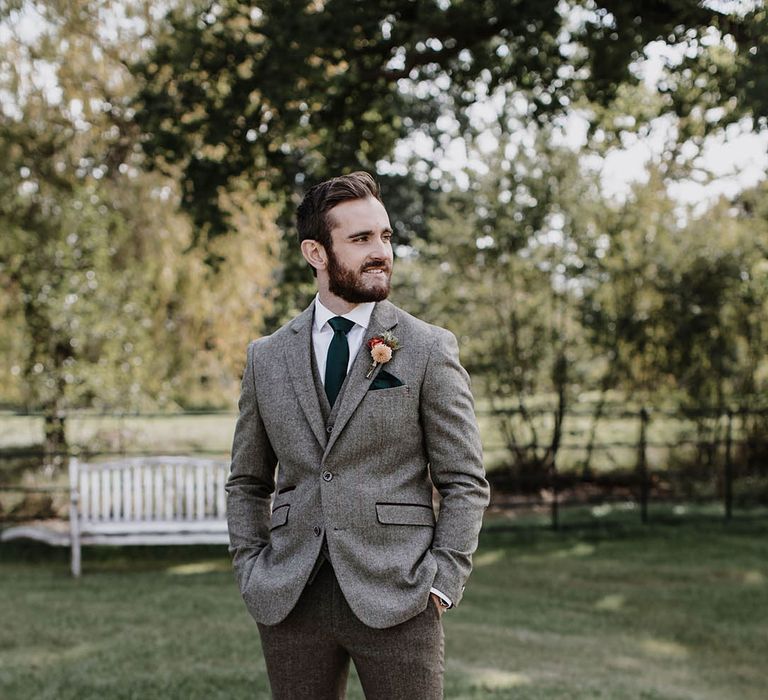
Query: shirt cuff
[(442, 596)]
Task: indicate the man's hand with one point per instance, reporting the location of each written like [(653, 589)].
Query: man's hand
[(438, 603)]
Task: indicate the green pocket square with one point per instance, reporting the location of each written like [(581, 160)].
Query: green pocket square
[(384, 380)]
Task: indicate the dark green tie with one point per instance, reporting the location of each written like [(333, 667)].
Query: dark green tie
[(338, 357)]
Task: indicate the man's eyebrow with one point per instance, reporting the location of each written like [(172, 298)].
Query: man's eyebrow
[(368, 232)]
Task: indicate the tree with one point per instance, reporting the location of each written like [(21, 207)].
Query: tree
[(504, 268), (118, 309), (291, 91), (558, 291)]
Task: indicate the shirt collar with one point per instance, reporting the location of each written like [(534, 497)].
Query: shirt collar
[(361, 314)]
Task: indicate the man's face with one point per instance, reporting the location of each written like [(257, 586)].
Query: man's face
[(360, 259)]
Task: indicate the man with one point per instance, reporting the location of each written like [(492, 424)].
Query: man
[(350, 414)]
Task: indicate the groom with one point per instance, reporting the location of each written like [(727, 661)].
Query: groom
[(349, 415)]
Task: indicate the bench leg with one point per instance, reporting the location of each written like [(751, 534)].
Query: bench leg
[(76, 570), (74, 515)]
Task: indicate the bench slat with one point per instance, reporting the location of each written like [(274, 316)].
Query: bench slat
[(189, 494), (158, 539), (85, 494), (156, 526), (221, 496), (127, 494), (95, 489), (106, 495), (138, 493), (168, 492)]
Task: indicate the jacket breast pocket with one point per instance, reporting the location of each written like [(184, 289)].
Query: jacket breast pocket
[(389, 420), (279, 516), (405, 514)]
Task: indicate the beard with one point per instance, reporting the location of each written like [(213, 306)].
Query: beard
[(354, 286)]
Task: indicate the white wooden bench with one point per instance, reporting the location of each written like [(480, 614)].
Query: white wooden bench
[(139, 500)]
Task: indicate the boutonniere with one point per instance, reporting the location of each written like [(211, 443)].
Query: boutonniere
[(381, 347)]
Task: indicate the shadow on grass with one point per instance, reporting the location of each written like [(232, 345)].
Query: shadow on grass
[(623, 519), (578, 524), (116, 559)]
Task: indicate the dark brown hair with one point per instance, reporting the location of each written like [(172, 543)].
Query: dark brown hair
[(312, 219)]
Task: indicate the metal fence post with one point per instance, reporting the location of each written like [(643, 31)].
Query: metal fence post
[(642, 465), (555, 507), (728, 490)]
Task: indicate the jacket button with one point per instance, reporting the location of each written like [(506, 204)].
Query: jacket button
[(329, 429), (327, 476), (316, 530)]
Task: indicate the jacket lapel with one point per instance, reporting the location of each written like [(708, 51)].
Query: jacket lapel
[(298, 358), (383, 318)]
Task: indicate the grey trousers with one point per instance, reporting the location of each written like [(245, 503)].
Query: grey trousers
[(308, 653)]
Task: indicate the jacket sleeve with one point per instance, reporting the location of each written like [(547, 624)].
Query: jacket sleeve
[(455, 457), (251, 479)]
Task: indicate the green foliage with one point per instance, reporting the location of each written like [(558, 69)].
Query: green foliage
[(677, 304), (106, 303), (556, 291), (718, 84), (122, 301), (56, 265), (289, 92), (505, 269)]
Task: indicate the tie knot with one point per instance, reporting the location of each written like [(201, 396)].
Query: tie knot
[(339, 323)]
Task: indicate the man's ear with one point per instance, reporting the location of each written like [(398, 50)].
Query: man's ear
[(314, 253)]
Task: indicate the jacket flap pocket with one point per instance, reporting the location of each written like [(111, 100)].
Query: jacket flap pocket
[(405, 514), (279, 516)]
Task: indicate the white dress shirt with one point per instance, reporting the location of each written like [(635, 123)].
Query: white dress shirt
[(322, 334)]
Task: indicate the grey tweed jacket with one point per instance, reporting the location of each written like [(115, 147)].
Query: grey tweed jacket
[(363, 481)]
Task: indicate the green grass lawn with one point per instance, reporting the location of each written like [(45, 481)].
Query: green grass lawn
[(663, 611)]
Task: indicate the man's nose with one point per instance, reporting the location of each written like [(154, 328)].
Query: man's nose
[(382, 249)]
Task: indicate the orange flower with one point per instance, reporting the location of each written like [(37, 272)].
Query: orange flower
[(381, 353)]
